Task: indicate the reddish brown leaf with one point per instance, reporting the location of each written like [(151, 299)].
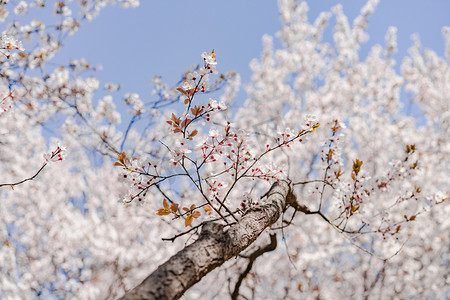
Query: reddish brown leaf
[(175, 120), (183, 92), (185, 123), (193, 133), (193, 91), (173, 207)]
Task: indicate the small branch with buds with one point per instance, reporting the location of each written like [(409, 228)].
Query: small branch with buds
[(55, 156)]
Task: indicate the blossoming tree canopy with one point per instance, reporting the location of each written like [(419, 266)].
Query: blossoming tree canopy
[(320, 184)]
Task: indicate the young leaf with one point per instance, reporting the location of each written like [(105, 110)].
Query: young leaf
[(193, 91), (357, 166), (183, 92), (162, 212), (173, 207), (315, 126), (166, 204), (122, 157), (208, 209), (185, 123), (188, 220), (192, 134), (196, 214), (175, 120)]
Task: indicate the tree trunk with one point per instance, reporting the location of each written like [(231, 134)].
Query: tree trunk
[(214, 246)]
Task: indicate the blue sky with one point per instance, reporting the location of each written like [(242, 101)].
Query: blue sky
[(165, 37)]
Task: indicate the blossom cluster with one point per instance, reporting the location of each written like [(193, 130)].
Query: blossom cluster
[(376, 189), (55, 155)]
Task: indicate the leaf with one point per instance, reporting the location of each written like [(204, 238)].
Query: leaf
[(336, 127), (410, 148), (185, 209), (185, 123), (208, 209), (338, 173), (188, 220), (315, 126), (186, 101), (192, 134), (412, 218), (193, 91), (357, 166), (162, 212), (175, 119), (196, 214), (122, 157), (183, 92), (192, 206), (166, 204), (173, 207), (117, 164), (196, 110)]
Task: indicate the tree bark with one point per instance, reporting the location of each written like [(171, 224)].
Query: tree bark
[(213, 247)]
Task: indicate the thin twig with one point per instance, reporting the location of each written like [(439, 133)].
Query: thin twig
[(252, 257)]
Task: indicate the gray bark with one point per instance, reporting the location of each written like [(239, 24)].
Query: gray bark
[(213, 247)]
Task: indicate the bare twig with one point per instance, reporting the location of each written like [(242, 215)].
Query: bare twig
[(252, 257)]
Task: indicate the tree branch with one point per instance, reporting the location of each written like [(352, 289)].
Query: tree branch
[(214, 246)]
